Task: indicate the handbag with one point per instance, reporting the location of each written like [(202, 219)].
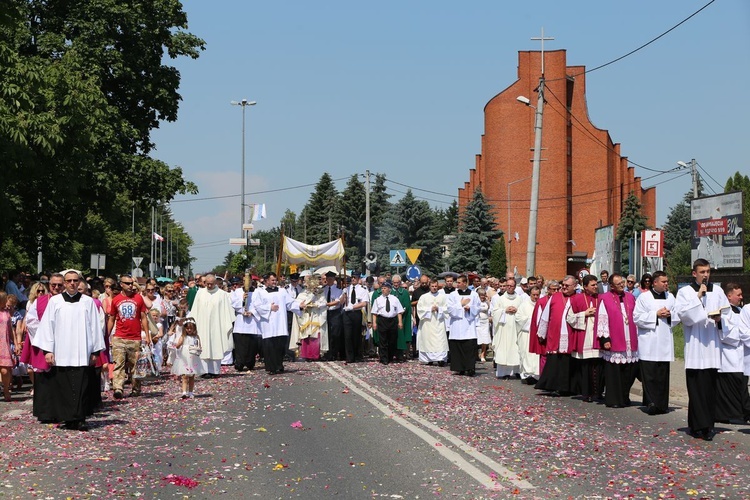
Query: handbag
[(195, 349), (145, 366)]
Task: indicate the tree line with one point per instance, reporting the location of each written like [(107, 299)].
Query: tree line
[(83, 84)]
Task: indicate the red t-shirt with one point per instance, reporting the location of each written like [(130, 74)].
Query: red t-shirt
[(127, 312)]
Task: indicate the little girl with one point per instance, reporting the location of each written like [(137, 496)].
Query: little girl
[(187, 360), (157, 336)]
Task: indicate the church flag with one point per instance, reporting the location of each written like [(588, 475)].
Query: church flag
[(158, 237)]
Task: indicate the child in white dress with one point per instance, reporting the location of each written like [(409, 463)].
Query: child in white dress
[(187, 359)]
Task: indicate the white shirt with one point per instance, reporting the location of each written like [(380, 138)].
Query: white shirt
[(378, 307)]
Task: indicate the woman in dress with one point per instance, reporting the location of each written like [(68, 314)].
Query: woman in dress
[(6, 359)]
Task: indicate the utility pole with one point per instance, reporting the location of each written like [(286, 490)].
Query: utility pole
[(694, 173), (367, 215), (535, 172)]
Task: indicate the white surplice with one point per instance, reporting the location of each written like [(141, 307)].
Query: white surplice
[(72, 331), (506, 332), (701, 333), (655, 338)]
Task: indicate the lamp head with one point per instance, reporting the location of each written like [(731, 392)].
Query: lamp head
[(682, 164), (523, 100)]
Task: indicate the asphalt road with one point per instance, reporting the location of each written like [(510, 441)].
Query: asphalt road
[(366, 430)]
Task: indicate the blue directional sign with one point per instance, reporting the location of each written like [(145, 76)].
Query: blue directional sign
[(413, 273), (398, 258)]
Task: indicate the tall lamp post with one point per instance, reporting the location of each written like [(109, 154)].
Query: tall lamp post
[(244, 103)]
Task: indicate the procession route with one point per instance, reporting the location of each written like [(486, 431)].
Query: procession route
[(457, 455)]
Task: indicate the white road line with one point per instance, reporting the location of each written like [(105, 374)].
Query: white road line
[(396, 410)]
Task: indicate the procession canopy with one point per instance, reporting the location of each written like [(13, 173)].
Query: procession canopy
[(327, 254)]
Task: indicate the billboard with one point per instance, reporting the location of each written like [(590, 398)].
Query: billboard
[(604, 250), (716, 224)]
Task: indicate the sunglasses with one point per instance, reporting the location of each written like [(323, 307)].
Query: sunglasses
[(126, 282), (150, 289), (74, 280), (55, 285)]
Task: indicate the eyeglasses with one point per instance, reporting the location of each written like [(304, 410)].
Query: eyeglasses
[(126, 282), (55, 285), (565, 285), (150, 289), (73, 280), (631, 282)]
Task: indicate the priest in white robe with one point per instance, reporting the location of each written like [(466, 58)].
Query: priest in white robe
[(214, 314), (654, 317), (732, 398), (71, 336), (506, 331), (310, 329), (432, 342), (274, 331), (529, 361), (463, 308), (699, 307), (250, 307)]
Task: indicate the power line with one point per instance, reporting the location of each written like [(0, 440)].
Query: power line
[(638, 48), (588, 132), (721, 188), (253, 192)]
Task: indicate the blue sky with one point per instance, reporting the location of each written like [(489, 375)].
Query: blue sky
[(399, 87)]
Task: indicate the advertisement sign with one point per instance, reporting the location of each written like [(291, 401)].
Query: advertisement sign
[(716, 224), (652, 243), (604, 250)]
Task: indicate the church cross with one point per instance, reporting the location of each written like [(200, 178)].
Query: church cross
[(542, 39)]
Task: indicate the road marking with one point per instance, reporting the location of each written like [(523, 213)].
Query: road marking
[(395, 410)]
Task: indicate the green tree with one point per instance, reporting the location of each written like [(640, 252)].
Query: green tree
[(677, 234), (84, 83), (320, 218), (352, 208), (498, 259), (739, 182), (632, 220), (409, 224), (476, 236)]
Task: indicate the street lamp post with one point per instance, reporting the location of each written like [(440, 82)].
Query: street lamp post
[(244, 103)]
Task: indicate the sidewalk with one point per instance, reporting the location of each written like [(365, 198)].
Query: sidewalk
[(677, 389)]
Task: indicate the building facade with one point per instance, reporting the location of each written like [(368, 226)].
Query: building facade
[(584, 180)]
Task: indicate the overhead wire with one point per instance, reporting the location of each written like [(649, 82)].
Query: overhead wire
[(253, 192), (721, 188), (637, 48), (588, 132)]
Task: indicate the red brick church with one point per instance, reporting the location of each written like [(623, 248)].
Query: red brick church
[(584, 180)]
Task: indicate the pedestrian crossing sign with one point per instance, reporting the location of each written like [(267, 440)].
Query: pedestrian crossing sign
[(398, 258)]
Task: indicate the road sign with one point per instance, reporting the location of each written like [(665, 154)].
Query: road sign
[(137, 261), (238, 241), (413, 254), (652, 244), (137, 273), (413, 273), (398, 258), (98, 261)]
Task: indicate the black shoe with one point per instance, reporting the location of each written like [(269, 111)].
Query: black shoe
[(118, 394), (441, 363), (471, 373), (530, 381)]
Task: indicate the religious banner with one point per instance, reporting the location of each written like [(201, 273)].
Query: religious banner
[(716, 224), (327, 254)]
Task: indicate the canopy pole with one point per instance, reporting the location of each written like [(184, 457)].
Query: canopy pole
[(281, 251)]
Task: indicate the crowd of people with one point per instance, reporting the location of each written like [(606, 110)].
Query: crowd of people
[(587, 337)]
